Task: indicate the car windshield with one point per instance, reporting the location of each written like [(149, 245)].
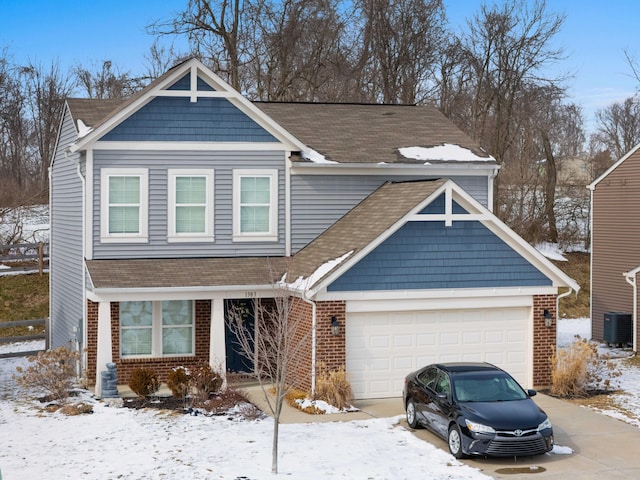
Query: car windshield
[(492, 387)]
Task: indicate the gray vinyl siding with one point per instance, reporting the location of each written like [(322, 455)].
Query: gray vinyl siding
[(158, 163), (67, 266), (319, 200)]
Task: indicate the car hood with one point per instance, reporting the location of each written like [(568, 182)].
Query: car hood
[(508, 415)]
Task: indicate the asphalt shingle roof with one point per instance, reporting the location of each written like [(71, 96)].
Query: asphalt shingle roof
[(357, 133)]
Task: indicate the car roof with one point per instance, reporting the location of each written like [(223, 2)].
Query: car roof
[(466, 367)]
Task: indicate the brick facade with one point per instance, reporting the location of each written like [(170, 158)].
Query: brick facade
[(161, 366), (544, 339)]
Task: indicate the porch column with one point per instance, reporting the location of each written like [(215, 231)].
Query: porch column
[(217, 349), (104, 344)]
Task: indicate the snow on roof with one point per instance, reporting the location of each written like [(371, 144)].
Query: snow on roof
[(447, 152), (83, 129), (316, 157), (302, 283)]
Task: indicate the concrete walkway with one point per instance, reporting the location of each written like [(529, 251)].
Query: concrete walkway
[(604, 448)]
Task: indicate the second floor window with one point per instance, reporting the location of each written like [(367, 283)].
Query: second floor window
[(190, 208), (124, 201), (255, 205)]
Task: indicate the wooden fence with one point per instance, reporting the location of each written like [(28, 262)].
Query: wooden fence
[(19, 253), (24, 338)]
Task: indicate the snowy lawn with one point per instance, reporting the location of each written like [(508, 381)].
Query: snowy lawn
[(148, 444)]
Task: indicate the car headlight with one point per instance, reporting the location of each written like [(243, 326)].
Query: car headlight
[(478, 427), (544, 425)]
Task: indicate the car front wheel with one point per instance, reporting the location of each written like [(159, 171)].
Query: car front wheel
[(412, 418), (455, 441)]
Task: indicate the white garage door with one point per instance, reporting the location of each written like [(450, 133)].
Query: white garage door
[(383, 347)]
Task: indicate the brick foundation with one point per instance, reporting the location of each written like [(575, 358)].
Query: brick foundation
[(161, 366)]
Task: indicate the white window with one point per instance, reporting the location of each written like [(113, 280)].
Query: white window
[(124, 203), (190, 207), (255, 205), (157, 329)]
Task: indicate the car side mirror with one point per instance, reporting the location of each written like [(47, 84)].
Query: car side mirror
[(442, 396), (532, 393)]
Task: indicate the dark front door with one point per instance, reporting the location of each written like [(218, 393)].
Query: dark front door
[(237, 361)]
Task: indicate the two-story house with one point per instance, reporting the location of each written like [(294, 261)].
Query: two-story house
[(187, 198)]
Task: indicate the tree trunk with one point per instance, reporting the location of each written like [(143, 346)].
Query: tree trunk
[(551, 177)]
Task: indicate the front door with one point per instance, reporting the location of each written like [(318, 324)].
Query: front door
[(237, 360)]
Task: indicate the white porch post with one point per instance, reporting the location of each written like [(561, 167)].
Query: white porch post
[(217, 350), (103, 354)]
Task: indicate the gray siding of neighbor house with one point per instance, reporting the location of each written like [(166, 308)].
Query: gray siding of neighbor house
[(430, 255), (320, 200), (67, 266), (158, 163), (614, 241)]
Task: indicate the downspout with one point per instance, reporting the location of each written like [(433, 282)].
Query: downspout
[(562, 295), (631, 280), (490, 189), (313, 343)]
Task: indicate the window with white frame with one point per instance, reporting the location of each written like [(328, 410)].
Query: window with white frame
[(124, 204), (157, 329), (255, 205), (190, 208)]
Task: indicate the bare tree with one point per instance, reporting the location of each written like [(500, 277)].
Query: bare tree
[(618, 126), (213, 28), (275, 345), (400, 41), (107, 81), (46, 90)]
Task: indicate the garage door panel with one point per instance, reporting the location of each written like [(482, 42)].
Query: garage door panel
[(383, 347)]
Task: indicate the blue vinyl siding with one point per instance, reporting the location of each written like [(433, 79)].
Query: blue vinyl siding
[(436, 207), (428, 255), (177, 119)]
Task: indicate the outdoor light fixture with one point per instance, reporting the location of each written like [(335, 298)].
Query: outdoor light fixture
[(548, 318), (335, 326)]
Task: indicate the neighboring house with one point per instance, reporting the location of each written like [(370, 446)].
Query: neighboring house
[(615, 250), (169, 207)]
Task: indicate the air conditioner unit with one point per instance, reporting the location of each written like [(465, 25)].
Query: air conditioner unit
[(618, 328)]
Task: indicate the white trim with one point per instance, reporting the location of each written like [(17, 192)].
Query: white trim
[(143, 221), (157, 331), (88, 206), (104, 343), (180, 293), (272, 234), (209, 221), (217, 344), (184, 146), (444, 170), (491, 295), (201, 94), (287, 204)]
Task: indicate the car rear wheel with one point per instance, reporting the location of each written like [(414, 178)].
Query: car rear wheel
[(412, 417), (455, 441)]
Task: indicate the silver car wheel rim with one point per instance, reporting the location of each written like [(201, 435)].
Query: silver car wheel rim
[(411, 413), (454, 441)]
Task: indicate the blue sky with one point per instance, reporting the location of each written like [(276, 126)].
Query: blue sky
[(594, 36)]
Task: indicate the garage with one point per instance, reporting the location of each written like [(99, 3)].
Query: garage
[(382, 347)]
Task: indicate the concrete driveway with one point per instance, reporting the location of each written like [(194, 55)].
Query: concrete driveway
[(604, 448)]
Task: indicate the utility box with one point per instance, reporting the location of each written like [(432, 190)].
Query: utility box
[(618, 328)]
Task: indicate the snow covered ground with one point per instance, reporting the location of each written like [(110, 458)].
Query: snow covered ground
[(144, 444)]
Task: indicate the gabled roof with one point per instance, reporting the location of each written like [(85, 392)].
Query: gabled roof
[(160, 87), (340, 133), (371, 133), (593, 184)]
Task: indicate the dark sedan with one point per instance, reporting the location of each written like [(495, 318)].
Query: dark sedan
[(478, 408)]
